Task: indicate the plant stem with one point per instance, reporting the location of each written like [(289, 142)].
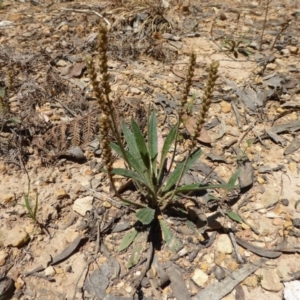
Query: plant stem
[(264, 25), (185, 94), (169, 200)]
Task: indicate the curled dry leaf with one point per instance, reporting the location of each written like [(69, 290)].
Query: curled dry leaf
[(258, 250), (190, 123), (76, 70), (160, 144), (177, 285), (219, 290)]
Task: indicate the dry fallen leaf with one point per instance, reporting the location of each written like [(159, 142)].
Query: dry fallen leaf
[(190, 123), (160, 144), (218, 290), (76, 70)]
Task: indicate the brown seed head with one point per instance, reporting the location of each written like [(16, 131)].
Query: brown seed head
[(188, 82), (102, 51), (206, 102)]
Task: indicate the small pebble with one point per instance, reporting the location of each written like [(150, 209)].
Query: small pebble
[(145, 282), (50, 271), (271, 66), (225, 107), (219, 273), (18, 284), (3, 257), (294, 50), (296, 222), (285, 52), (68, 269), (285, 202), (199, 277), (61, 193)]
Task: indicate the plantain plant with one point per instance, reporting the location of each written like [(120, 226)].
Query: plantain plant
[(154, 173)]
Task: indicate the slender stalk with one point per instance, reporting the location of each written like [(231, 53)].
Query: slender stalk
[(185, 94), (169, 200), (284, 26), (264, 25), (206, 102), (108, 105), (107, 157)]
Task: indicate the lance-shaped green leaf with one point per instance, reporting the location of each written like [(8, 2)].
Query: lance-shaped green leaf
[(135, 256), (117, 149), (200, 187), (133, 148), (141, 144), (138, 247), (131, 174), (128, 239), (167, 144), (145, 215), (14, 120), (2, 92), (233, 179), (191, 187), (175, 176), (234, 216), (139, 168), (173, 243), (152, 140)]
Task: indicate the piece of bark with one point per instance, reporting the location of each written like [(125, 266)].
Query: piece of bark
[(7, 288), (239, 293), (246, 176), (258, 250), (66, 252), (219, 290), (60, 257), (292, 147), (178, 286)]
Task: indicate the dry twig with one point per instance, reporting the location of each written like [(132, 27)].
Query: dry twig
[(88, 11)]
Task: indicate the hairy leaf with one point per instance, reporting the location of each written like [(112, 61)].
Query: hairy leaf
[(140, 169), (153, 140), (2, 92), (128, 238), (200, 187), (135, 256), (131, 174), (15, 120), (167, 145), (234, 216), (173, 243), (117, 149), (175, 176), (133, 148), (233, 179), (138, 248), (141, 144), (145, 215)]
